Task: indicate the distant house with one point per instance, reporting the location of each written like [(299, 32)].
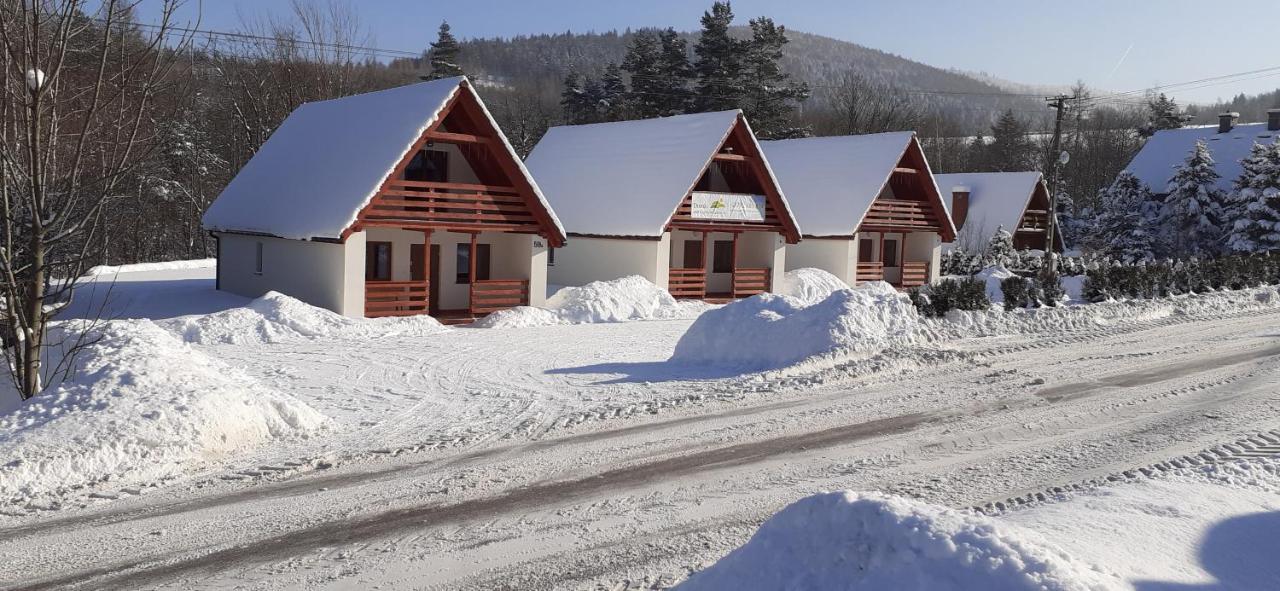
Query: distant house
[(338, 206), (868, 204), (983, 203), (688, 202), (1228, 142)]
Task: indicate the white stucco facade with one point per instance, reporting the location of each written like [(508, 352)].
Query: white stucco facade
[(583, 260), (839, 256)]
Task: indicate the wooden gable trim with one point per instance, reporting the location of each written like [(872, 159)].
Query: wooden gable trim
[(1041, 189), (911, 162), (781, 220), (495, 208)]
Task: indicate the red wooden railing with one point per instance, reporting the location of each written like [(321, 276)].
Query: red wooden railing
[(900, 213), (1034, 220), (395, 298), (749, 282), (430, 204), (870, 271), (491, 295), (687, 283), (914, 274)]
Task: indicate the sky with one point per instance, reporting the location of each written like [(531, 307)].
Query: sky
[(1116, 45)]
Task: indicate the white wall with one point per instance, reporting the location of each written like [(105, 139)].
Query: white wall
[(837, 256), (583, 260), (314, 272), (925, 246)]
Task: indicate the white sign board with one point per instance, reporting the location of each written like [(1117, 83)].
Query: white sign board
[(738, 207)]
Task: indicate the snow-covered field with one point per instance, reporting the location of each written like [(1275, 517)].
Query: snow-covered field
[(618, 438)]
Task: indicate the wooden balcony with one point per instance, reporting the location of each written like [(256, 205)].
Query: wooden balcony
[(749, 282), (900, 215), (395, 298), (462, 206), (491, 295), (914, 274), (687, 283), (870, 271), (1034, 220)]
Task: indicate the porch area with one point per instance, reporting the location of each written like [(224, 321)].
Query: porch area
[(722, 266), (902, 259), (462, 276)]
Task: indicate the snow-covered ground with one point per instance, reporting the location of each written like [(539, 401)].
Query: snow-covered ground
[(578, 446)]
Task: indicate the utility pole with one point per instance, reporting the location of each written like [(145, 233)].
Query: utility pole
[(1052, 162)]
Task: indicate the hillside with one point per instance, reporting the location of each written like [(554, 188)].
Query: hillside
[(541, 61)]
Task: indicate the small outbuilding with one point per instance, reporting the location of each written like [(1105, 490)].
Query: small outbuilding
[(868, 204), (392, 203), (688, 202), (983, 203)]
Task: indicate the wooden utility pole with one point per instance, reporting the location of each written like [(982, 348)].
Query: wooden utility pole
[(1051, 167)]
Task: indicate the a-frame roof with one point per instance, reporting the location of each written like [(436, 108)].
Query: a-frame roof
[(1154, 164), (328, 159), (627, 178), (996, 200), (832, 181)]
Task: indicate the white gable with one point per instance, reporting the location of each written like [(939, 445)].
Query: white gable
[(1154, 163), (996, 199), (626, 178), (327, 160), (831, 181)]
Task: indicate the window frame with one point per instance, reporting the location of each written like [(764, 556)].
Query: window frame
[(722, 256), (372, 248)]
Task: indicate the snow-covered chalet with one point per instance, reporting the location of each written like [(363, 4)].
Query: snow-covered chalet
[(392, 203), (688, 202), (868, 204), (1229, 142), (983, 203)]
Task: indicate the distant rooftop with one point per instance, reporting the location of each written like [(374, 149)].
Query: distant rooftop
[(1154, 163)]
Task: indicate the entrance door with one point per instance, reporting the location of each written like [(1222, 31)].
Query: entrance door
[(433, 289), (692, 254)]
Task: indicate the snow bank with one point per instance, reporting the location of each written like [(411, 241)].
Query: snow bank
[(149, 267), (519, 317), (992, 276), (770, 331), (142, 406), (810, 286), (871, 541), (276, 317), (619, 300)]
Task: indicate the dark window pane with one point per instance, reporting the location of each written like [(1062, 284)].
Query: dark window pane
[(463, 260), (866, 250), (890, 257), (722, 257), (429, 166), (416, 264), (377, 264), (692, 254)]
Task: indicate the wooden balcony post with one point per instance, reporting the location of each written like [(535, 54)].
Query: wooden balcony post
[(733, 267), (471, 274), (426, 265), (706, 263)]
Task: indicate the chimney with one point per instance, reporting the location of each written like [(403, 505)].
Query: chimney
[(959, 205), (1273, 119), (1226, 121)]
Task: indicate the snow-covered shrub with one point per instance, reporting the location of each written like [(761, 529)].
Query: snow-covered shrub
[(950, 294), (1017, 292), (1196, 207), (1145, 280), (1049, 287), (959, 262), (1000, 250)]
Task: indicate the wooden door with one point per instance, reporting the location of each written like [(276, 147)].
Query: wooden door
[(692, 254), (433, 289), (415, 263)]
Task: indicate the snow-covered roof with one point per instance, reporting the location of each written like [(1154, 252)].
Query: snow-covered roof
[(327, 160), (832, 181), (626, 178), (996, 199), (1154, 163)]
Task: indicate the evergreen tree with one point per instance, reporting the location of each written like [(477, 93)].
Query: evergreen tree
[(1120, 229), (612, 102), (719, 65), (1162, 113), (643, 64), (769, 95), (444, 55), (1195, 206), (1000, 249), (574, 101), (1256, 221), (675, 74), (1010, 149)]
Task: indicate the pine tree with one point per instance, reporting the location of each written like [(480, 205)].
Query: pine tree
[(1162, 113), (642, 63), (1010, 149), (1256, 206), (769, 95), (719, 65), (1195, 206), (444, 55), (1000, 249), (574, 101), (1120, 229), (675, 74), (612, 102)]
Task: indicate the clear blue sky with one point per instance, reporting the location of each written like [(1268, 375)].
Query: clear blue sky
[(1027, 41)]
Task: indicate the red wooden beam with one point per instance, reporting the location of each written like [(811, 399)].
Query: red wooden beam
[(450, 137)]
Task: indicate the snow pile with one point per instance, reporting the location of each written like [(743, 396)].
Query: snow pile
[(810, 286), (870, 541), (142, 406), (151, 267), (276, 317), (519, 317), (619, 300), (770, 331), (992, 276)]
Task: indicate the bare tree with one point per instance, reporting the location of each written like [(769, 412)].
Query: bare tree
[(78, 90), (866, 107)]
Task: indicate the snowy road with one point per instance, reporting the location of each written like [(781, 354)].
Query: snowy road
[(547, 495)]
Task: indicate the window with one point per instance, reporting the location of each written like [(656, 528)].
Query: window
[(429, 166), (377, 261), (890, 254), (463, 260), (257, 258), (722, 256), (866, 250), (692, 254), (551, 257)]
